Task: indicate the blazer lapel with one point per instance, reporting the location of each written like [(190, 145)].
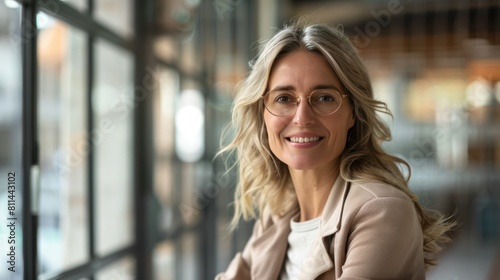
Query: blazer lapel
[(332, 212), (270, 247), (319, 260)]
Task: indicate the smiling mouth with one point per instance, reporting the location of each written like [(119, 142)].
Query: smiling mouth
[(303, 139)]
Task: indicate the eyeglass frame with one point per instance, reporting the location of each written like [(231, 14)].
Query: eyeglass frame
[(299, 99)]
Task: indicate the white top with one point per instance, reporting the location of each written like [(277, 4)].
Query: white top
[(300, 241)]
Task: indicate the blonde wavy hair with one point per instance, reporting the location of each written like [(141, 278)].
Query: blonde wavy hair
[(264, 181)]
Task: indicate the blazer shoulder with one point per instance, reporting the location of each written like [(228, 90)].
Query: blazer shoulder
[(365, 191)]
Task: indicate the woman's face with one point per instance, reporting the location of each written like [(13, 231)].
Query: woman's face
[(302, 72)]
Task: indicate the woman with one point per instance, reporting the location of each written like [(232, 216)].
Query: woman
[(330, 203)]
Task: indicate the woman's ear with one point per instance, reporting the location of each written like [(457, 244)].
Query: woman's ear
[(352, 120)]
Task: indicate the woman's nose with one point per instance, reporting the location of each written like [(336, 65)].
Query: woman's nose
[(304, 115)]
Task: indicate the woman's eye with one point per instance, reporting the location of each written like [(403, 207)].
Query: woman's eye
[(283, 99), (325, 98)]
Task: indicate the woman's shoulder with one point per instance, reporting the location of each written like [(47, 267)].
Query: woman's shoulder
[(365, 200), (365, 191)]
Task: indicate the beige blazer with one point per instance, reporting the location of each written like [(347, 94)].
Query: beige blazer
[(368, 231)]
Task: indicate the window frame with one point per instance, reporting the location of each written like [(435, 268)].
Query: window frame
[(144, 57), (30, 150)]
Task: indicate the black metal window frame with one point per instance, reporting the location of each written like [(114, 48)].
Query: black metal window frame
[(30, 151), (144, 57)]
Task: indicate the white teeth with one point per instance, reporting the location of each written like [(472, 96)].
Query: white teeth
[(303, 139)]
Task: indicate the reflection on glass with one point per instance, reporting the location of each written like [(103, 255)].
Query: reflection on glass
[(189, 257), (164, 142), (10, 4), (189, 53), (164, 261), (164, 107), (190, 126), (113, 105), (497, 91), (122, 269), (10, 124), (116, 15), (63, 227), (80, 5)]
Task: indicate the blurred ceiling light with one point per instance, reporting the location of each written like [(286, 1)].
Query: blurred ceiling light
[(190, 126), (12, 4), (479, 93), (44, 21)]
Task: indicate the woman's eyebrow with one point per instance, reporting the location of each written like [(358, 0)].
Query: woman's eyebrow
[(283, 88), (316, 87), (326, 86)]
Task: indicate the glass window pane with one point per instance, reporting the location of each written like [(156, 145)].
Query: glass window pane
[(10, 128), (80, 5), (189, 257), (63, 139), (164, 108), (164, 261), (164, 142), (190, 123), (122, 269), (117, 15), (190, 60), (113, 106)]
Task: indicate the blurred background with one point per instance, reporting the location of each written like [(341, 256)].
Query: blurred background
[(111, 113)]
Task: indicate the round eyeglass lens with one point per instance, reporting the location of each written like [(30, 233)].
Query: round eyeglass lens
[(325, 102), (284, 103)]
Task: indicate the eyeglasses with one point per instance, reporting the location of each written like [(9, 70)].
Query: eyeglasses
[(283, 103)]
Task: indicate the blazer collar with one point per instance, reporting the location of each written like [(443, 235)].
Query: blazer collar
[(332, 212), (319, 260), (271, 246)]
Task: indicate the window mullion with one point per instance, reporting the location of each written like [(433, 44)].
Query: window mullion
[(30, 142), (90, 127)]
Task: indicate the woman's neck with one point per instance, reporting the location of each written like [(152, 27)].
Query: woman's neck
[(312, 188)]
